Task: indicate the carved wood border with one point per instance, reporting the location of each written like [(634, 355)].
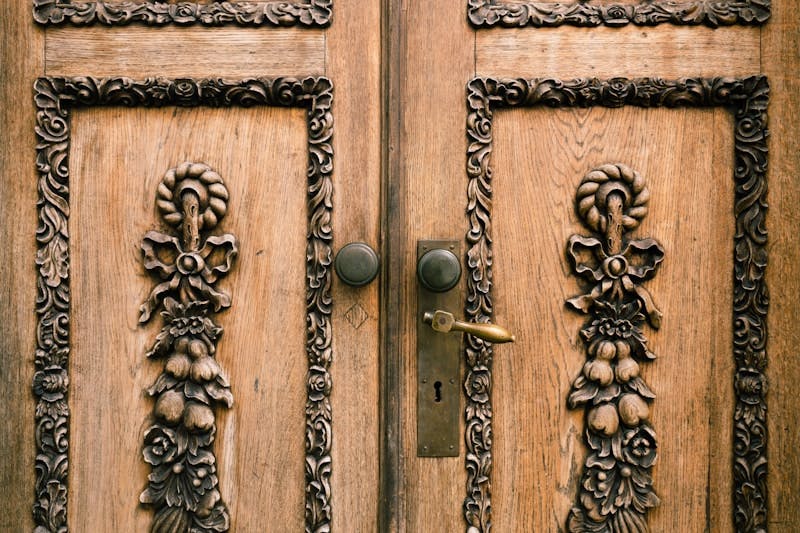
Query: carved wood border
[(310, 13), (55, 97), (747, 98), (711, 13)]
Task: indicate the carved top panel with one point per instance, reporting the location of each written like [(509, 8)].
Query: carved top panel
[(587, 13), (310, 13)]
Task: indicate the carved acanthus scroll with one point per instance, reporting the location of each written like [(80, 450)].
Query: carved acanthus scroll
[(309, 13), (178, 446), (616, 485), (587, 13)]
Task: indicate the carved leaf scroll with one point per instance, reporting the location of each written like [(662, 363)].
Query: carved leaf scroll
[(747, 99), (616, 485), (711, 13), (311, 13), (183, 483), (55, 98)]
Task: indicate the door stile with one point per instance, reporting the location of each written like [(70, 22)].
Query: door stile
[(393, 220)]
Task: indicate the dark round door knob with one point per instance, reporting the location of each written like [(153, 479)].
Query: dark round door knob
[(439, 270), (356, 264)]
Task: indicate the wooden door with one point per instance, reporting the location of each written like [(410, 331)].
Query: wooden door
[(446, 122)]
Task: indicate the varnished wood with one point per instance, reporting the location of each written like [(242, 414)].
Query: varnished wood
[(139, 52), (21, 60), (780, 61)]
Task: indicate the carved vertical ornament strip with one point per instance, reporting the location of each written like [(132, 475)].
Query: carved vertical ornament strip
[(183, 483), (711, 13), (311, 13), (55, 97), (747, 98), (617, 485)]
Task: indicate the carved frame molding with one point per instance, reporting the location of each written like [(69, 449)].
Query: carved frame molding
[(711, 13), (310, 13), (747, 98), (55, 97)]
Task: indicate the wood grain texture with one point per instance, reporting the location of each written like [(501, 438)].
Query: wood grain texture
[(437, 61), (118, 157), (781, 61), (21, 60), (540, 158), (139, 52), (353, 63), (664, 51)]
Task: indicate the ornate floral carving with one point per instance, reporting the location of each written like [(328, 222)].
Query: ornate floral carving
[(616, 486), (312, 13), (183, 484), (712, 13), (55, 98), (747, 98)]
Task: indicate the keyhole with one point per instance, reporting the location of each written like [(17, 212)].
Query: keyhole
[(437, 392)]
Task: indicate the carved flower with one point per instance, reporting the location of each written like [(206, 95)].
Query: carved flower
[(182, 321), (618, 274), (478, 385), (620, 323), (162, 445), (51, 383), (639, 446), (617, 15), (319, 383), (183, 13), (617, 90), (751, 386), (189, 274)]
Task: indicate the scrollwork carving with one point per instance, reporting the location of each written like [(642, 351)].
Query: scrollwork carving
[(192, 198), (312, 13), (617, 484), (55, 97), (747, 98), (712, 13)]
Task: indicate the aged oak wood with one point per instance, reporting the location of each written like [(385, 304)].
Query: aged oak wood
[(138, 52), (109, 372), (399, 133), (780, 60), (21, 60), (663, 51), (533, 218)]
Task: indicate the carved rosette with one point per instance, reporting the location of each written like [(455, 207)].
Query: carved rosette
[(747, 98), (616, 486), (711, 13), (55, 98), (183, 484), (311, 13)]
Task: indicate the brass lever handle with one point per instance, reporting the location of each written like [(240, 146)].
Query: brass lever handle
[(444, 322)]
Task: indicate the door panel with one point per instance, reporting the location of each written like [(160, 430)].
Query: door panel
[(399, 70), (112, 192), (539, 159)]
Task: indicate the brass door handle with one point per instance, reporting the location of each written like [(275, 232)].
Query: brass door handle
[(444, 322)]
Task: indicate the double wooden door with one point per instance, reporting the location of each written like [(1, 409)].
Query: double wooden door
[(183, 177)]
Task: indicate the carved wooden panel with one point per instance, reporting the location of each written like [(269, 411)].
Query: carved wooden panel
[(55, 100), (747, 100), (311, 13), (711, 13)]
